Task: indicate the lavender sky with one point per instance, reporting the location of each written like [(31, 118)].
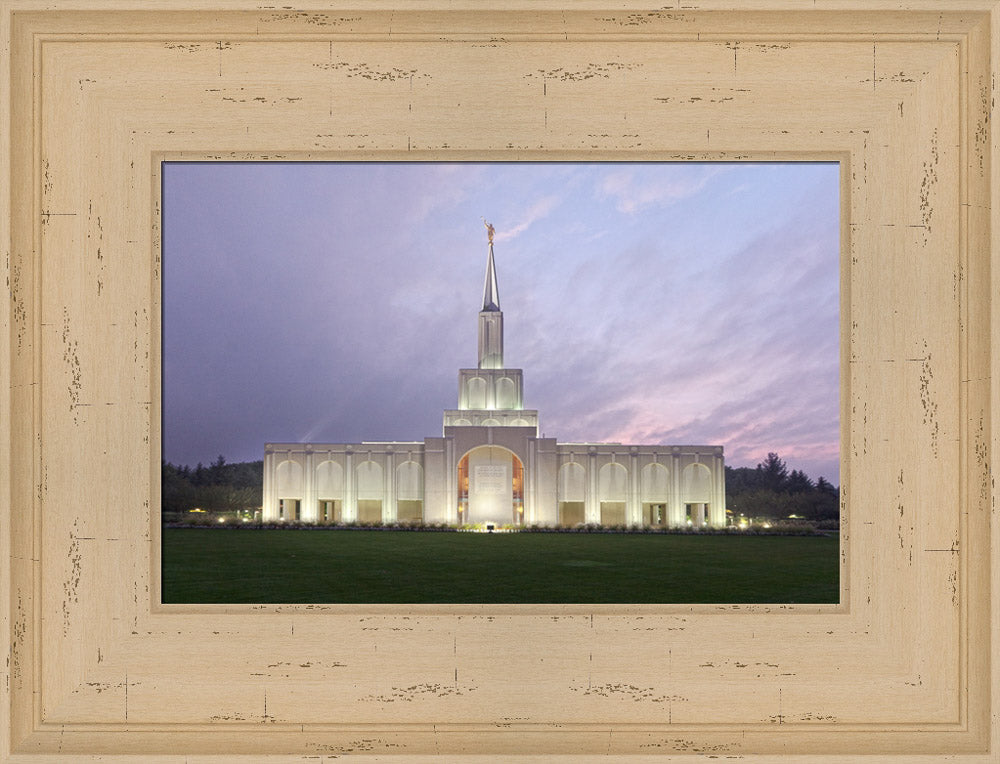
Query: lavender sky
[(675, 303)]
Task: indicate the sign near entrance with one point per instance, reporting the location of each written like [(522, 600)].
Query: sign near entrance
[(490, 479)]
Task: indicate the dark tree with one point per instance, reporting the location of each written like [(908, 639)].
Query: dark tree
[(217, 471), (824, 486), (773, 473), (177, 492), (798, 482)]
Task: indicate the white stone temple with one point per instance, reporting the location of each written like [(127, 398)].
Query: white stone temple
[(490, 467)]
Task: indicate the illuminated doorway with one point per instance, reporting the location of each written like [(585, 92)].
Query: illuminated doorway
[(490, 487)]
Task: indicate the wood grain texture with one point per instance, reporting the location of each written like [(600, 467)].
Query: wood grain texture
[(903, 94)]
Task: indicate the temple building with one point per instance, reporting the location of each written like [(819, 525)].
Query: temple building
[(490, 466)]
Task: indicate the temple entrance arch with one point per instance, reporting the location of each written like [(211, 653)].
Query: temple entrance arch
[(490, 487)]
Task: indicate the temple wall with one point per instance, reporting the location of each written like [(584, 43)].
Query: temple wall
[(343, 472), (672, 476), (614, 483)]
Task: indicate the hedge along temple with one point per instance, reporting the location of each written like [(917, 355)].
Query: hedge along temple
[(491, 467)]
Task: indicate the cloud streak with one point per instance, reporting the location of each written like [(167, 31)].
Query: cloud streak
[(538, 211), (635, 189)]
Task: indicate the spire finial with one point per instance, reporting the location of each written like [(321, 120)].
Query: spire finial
[(491, 295)]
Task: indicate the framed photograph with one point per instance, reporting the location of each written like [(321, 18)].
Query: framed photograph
[(315, 314), (99, 97)]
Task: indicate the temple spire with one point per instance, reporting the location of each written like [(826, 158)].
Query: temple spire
[(490, 317), (491, 295)]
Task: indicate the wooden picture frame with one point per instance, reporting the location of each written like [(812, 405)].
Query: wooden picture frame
[(98, 93)]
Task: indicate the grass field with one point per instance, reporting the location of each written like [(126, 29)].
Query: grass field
[(319, 567)]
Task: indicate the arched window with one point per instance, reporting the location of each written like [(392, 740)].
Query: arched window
[(409, 492), (571, 486), (655, 483), (612, 482), (612, 489), (409, 481), (329, 480), (505, 393), (696, 484), (477, 393), (369, 480), (369, 491), (288, 478), (289, 484)]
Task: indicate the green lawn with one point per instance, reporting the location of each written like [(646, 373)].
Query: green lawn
[(256, 566)]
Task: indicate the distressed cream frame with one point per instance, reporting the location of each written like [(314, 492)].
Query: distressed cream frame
[(97, 93)]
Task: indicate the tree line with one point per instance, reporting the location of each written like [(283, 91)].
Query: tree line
[(220, 487), (770, 490)]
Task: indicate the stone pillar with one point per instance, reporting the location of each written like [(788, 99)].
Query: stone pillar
[(349, 511), (269, 508), (698, 515), (451, 482), (310, 510), (276, 459), (591, 502), (531, 483), (718, 508), (675, 511), (389, 508), (633, 509)]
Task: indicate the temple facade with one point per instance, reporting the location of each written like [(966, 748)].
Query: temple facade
[(489, 466)]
